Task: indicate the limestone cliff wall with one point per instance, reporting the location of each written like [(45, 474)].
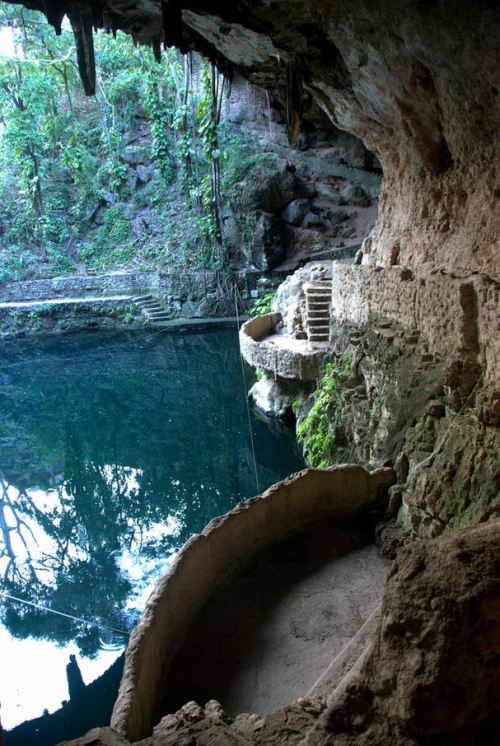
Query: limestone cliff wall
[(455, 316), (417, 83), (420, 87)]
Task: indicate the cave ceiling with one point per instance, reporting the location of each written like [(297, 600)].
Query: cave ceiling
[(417, 80)]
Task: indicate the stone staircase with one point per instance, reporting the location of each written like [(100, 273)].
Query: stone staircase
[(318, 299), (151, 308)]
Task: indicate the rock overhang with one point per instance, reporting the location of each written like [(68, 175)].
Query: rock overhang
[(416, 82)]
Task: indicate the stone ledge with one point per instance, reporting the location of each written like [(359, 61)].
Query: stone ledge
[(280, 354)]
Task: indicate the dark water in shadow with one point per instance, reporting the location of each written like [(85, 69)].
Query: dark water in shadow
[(114, 450)]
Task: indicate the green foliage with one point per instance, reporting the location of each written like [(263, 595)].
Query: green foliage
[(319, 431), (262, 305), (241, 155), (112, 242), (63, 156)]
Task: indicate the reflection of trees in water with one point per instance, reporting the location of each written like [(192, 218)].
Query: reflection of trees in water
[(126, 448), (46, 558)]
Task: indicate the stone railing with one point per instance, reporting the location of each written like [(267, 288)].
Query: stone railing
[(227, 543), (283, 357), (78, 286), (164, 283)]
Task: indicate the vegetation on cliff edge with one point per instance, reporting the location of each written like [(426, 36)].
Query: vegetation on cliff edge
[(132, 177), (319, 431)]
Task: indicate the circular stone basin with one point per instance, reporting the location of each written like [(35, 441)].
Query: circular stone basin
[(265, 637), (258, 606)]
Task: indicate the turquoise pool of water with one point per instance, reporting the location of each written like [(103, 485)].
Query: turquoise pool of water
[(114, 450)]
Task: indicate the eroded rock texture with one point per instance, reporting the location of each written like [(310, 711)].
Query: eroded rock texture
[(397, 75), (434, 674)]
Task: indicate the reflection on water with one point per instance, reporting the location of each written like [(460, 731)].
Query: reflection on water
[(114, 450)]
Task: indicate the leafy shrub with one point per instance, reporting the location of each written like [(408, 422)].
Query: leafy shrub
[(111, 244), (262, 305)]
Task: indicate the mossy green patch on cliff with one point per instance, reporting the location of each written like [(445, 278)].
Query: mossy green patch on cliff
[(319, 431)]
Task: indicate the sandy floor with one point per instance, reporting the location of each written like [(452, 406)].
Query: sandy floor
[(267, 636)]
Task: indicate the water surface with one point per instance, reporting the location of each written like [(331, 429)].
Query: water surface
[(114, 450)]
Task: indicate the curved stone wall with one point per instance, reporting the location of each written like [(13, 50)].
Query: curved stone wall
[(208, 558), (292, 359)]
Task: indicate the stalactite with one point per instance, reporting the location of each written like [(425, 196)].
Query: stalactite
[(81, 22), (55, 10), (294, 96), (107, 21), (156, 47), (172, 23)]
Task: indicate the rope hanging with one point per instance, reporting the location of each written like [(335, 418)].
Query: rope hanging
[(246, 400), (62, 613)]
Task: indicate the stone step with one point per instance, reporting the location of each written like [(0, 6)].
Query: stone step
[(318, 303), (318, 314), (318, 299), (318, 291), (139, 298), (318, 324), (319, 331), (158, 314), (320, 328)]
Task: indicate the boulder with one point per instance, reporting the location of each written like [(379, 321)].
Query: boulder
[(270, 242), (134, 155), (272, 187), (356, 195), (144, 173), (434, 674), (270, 397), (295, 211)]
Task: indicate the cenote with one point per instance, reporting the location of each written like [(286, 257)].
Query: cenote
[(115, 448)]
